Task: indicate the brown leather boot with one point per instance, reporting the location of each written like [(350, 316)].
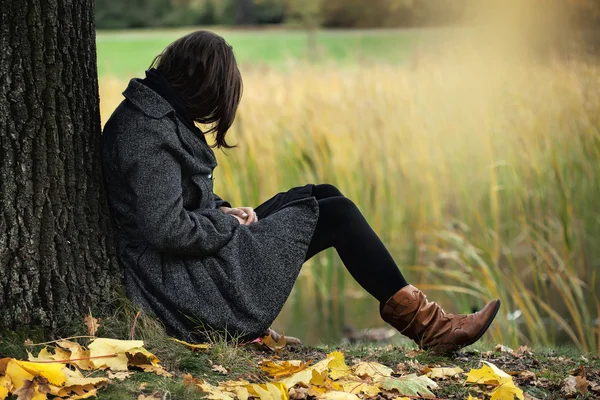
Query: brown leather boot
[(430, 326)]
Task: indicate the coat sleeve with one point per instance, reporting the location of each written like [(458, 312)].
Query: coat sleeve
[(148, 161), (220, 202)]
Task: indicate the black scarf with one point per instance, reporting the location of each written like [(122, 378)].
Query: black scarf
[(157, 82)]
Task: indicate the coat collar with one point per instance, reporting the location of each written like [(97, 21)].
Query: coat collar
[(147, 100)]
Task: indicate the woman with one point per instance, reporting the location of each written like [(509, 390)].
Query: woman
[(191, 259)]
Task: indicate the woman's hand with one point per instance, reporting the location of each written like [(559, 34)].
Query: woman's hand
[(245, 215)]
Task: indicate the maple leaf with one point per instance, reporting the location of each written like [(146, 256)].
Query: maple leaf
[(269, 391), (372, 370), (353, 384), (113, 352), (337, 366), (273, 345), (489, 374), (305, 375), (196, 346), (280, 370), (233, 386), (16, 370), (140, 356), (214, 393), (409, 385), (78, 355), (322, 381), (82, 386), (43, 355), (442, 373)]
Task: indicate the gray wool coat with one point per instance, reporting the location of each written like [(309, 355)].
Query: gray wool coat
[(183, 260)]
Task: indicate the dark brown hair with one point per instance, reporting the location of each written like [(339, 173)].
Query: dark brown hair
[(202, 68)]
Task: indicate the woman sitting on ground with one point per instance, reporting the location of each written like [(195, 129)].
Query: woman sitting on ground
[(192, 259)]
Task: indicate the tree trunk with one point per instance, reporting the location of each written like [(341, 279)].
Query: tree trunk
[(55, 256)]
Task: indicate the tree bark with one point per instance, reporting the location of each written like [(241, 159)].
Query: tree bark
[(55, 255)]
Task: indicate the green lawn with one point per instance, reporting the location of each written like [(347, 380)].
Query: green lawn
[(128, 53)]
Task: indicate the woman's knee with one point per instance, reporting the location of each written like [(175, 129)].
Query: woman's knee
[(337, 210), (325, 190)]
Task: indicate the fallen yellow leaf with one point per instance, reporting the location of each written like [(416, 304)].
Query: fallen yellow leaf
[(158, 370), (372, 370), (43, 355), (72, 381), (108, 347), (322, 380), (120, 376), (338, 396), (16, 374), (269, 391), (408, 385), (233, 386), (242, 393), (271, 344), (82, 386), (91, 393), (337, 366), (78, 356), (214, 393), (472, 398), (507, 391), (353, 384), (489, 374), (52, 372), (141, 356), (305, 375), (280, 370), (5, 386), (441, 373)]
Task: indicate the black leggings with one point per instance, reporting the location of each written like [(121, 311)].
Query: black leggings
[(341, 225)]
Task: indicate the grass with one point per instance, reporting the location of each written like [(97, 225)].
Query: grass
[(129, 53), (543, 363), (551, 365), (476, 166)]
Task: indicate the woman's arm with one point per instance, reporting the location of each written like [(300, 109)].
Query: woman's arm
[(148, 160), (220, 202)]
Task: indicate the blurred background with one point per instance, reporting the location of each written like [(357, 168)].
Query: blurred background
[(467, 132)]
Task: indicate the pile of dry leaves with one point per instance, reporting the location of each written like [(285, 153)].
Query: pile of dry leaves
[(60, 373), (331, 378)]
